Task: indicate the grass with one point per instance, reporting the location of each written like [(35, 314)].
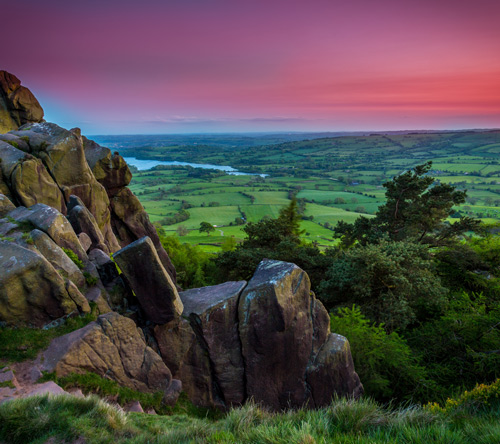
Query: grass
[(19, 344), (34, 420), (91, 383)]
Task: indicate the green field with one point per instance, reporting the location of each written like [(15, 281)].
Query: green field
[(336, 178)]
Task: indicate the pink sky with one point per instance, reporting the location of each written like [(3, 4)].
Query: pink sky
[(159, 66)]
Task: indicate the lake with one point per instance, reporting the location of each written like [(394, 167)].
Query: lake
[(141, 164)]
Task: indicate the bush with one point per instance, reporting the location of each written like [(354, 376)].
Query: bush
[(384, 362), (193, 266), (72, 255), (393, 282), (462, 346)]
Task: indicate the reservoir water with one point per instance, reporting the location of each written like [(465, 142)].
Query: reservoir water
[(141, 164)]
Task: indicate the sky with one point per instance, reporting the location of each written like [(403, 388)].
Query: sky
[(190, 66)]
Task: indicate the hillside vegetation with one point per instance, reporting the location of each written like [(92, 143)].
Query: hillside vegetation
[(336, 178)]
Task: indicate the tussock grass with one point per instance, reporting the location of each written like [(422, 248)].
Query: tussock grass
[(345, 421)]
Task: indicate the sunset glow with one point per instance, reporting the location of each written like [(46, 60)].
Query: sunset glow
[(219, 65)]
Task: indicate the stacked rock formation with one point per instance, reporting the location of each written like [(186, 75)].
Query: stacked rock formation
[(65, 207)]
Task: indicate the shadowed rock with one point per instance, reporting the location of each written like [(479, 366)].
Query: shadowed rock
[(150, 281), (131, 222), (113, 347), (31, 291), (213, 312), (17, 104), (83, 221), (53, 223), (188, 361), (57, 257), (276, 332), (332, 372)]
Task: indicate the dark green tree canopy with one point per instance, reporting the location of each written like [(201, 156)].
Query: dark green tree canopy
[(416, 208), (206, 227)]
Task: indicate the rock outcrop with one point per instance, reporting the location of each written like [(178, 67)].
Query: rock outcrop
[(17, 104), (32, 292), (65, 207), (268, 340), (113, 347), (150, 281)]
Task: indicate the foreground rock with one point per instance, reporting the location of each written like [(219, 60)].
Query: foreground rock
[(153, 286), (32, 292), (131, 222), (112, 347), (205, 352), (53, 223), (268, 340), (17, 104)]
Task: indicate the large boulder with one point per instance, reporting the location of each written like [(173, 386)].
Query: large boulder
[(131, 222), (31, 291), (188, 361), (153, 286), (53, 223), (27, 179), (276, 332), (57, 257), (63, 155), (110, 170), (213, 313), (113, 347), (17, 104), (268, 340), (83, 221)]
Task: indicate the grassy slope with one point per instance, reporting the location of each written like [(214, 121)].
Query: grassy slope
[(35, 419)]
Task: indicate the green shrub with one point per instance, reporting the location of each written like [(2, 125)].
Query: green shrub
[(481, 398), (91, 280), (72, 255), (384, 362), (461, 347), (393, 282)]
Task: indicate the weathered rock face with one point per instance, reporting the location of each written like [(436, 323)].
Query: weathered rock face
[(131, 222), (31, 291), (83, 221), (57, 257), (41, 162), (5, 205), (110, 170), (213, 313), (17, 104), (276, 334), (27, 179), (112, 346), (331, 371), (268, 340), (188, 361), (53, 223), (155, 290)]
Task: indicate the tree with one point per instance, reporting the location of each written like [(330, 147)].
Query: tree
[(415, 208), (206, 227), (290, 218), (393, 282), (182, 230)]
